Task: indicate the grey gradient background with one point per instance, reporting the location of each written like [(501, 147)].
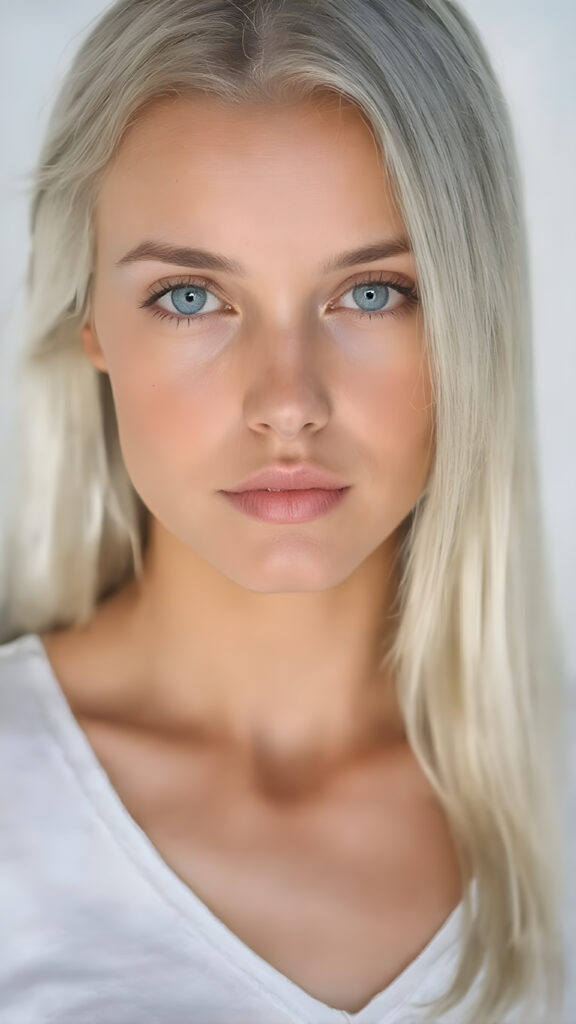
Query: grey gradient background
[(532, 46)]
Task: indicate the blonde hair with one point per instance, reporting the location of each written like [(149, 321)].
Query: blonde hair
[(476, 651)]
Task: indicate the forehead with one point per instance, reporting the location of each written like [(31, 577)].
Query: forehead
[(211, 140), (245, 131), (198, 165)]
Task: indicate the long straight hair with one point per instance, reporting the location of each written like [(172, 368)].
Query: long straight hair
[(476, 649)]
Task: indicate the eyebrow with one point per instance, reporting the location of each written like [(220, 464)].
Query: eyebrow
[(184, 256)]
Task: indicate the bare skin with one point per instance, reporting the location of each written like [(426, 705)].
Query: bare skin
[(234, 694)]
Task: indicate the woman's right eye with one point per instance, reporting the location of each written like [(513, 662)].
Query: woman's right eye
[(185, 301)]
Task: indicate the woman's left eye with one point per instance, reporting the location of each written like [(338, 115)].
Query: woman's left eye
[(376, 294), (189, 299)]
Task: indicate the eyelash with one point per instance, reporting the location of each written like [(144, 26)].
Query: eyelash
[(409, 291)]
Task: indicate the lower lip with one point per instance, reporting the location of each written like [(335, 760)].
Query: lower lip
[(286, 506)]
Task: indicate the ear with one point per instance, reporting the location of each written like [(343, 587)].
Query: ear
[(91, 347)]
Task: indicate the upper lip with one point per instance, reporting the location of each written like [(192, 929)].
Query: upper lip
[(296, 478)]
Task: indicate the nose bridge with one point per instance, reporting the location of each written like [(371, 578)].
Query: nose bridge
[(286, 375), (287, 343)]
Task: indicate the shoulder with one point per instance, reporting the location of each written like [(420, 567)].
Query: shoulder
[(21, 681), (17, 648), (17, 658)]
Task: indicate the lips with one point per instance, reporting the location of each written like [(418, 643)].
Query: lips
[(303, 477), (287, 507)]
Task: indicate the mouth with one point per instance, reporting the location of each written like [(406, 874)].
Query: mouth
[(287, 506)]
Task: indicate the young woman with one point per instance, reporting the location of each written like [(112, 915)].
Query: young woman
[(280, 677)]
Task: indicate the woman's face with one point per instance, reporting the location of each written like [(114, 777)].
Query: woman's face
[(285, 360)]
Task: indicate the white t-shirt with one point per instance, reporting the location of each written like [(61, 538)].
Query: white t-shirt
[(95, 928)]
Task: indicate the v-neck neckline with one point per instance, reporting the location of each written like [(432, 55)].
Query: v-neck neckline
[(134, 842)]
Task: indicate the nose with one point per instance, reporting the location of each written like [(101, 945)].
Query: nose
[(289, 391)]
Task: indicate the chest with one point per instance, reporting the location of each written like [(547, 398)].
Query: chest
[(339, 894)]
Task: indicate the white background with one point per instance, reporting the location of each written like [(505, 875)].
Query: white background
[(532, 46)]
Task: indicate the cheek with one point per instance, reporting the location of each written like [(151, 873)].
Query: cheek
[(396, 406), (395, 426), (170, 418)]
